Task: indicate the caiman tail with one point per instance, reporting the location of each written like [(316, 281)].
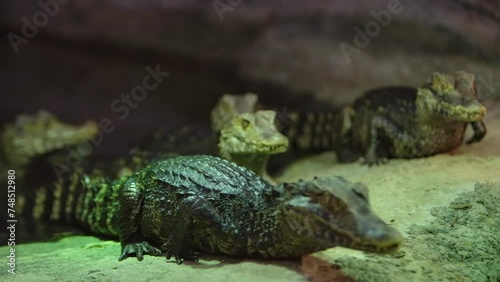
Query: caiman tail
[(90, 201)]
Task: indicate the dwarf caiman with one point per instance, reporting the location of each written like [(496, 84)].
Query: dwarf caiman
[(395, 122), (189, 204)]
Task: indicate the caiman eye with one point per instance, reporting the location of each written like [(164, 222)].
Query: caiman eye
[(361, 195), (361, 191), (245, 123)]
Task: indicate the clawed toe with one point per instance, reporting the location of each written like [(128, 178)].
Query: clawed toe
[(374, 161), (139, 250), (179, 254)]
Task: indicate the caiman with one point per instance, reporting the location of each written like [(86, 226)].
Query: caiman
[(188, 204), (395, 122), (32, 136), (239, 134)]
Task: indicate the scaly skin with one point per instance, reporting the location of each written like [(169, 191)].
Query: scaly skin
[(28, 147), (246, 137), (315, 132), (395, 122), (207, 204), (201, 203), (403, 122), (35, 135), (249, 139)]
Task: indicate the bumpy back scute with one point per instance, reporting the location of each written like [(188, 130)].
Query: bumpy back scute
[(212, 176)]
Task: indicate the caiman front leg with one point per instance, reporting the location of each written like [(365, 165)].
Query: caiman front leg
[(384, 128), (479, 131), (193, 211), (131, 238)]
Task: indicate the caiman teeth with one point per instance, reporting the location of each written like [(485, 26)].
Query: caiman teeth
[(275, 147)]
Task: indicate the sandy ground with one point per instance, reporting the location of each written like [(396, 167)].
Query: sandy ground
[(447, 207)]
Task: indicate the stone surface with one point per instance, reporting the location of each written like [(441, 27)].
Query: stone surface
[(294, 44)]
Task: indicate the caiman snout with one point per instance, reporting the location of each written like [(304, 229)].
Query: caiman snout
[(380, 238)]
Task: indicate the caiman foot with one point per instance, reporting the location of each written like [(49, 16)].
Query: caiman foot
[(180, 255), (372, 159), (139, 249), (479, 132), (373, 156)]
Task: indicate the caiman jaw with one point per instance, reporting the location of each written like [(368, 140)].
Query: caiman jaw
[(379, 239), (252, 148), (272, 149), (389, 241), (334, 212)]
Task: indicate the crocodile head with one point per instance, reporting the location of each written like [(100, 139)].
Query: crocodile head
[(230, 106), (334, 212), (452, 96), (35, 135), (252, 133)]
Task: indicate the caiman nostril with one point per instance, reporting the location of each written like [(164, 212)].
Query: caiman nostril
[(374, 233)]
